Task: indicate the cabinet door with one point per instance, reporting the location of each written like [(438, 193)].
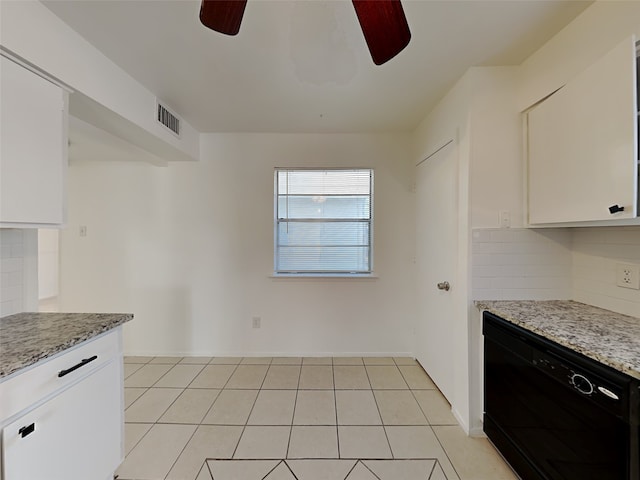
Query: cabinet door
[(582, 145), (33, 147), (76, 435)]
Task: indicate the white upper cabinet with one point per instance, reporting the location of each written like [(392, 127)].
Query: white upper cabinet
[(583, 146), (33, 148)]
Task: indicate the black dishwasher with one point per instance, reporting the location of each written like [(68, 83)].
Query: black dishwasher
[(555, 414)]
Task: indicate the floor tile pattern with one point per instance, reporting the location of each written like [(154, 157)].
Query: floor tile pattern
[(282, 418), (428, 469)]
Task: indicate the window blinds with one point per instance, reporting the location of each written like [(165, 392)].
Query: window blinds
[(323, 221)]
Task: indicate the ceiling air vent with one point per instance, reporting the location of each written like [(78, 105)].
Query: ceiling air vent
[(168, 119)]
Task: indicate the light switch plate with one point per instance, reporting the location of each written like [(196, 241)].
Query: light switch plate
[(505, 219)]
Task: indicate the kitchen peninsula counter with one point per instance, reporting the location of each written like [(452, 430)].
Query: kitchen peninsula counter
[(26, 338), (608, 337)]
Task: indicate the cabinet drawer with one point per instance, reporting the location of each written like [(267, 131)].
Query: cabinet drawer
[(74, 436), (42, 379)]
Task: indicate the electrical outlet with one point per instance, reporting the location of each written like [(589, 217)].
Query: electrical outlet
[(255, 322), (628, 275)]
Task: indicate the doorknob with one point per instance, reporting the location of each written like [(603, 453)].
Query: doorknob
[(444, 286)]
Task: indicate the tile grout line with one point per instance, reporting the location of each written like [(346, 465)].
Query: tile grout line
[(286, 464), (428, 421), (156, 421), (352, 468), (335, 405), (152, 386), (198, 425), (184, 389), (293, 416), (424, 414), (367, 467), (420, 407), (379, 412), (219, 393), (446, 454), (146, 389), (433, 469), (246, 423), (208, 468), (262, 387), (248, 415)]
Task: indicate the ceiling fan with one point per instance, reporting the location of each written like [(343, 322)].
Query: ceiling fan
[(383, 23)]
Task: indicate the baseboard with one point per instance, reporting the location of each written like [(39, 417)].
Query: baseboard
[(461, 422), (156, 353)]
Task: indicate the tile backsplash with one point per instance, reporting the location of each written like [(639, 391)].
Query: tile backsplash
[(521, 264), (596, 251), (556, 263), (11, 271)]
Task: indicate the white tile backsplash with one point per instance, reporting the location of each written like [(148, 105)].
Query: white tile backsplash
[(596, 251), (558, 263), (11, 271), (526, 264)]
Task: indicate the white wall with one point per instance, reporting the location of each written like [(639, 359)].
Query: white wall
[(482, 110), (496, 167), (188, 249), (48, 258), (18, 271), (593, 33), (11, 277), (103, 90)]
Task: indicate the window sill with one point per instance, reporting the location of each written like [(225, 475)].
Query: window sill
[(349, 276)]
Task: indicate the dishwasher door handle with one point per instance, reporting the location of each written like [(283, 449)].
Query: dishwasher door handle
[(608, 393)]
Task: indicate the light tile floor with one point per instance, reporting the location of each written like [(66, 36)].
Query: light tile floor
[(201, 418)]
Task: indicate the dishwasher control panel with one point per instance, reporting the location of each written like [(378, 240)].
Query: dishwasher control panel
[(607, 394)]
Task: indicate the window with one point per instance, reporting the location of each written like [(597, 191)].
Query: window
[(323, 221)]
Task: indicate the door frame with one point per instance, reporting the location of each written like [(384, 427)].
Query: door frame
[(466, 402), (450, 163)]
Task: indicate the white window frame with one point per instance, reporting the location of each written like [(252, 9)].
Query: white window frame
[(350, 274)]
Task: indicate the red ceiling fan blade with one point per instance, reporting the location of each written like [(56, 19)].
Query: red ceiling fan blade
[(384, 27), (223, 16)]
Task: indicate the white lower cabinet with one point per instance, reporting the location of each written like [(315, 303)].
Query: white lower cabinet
[(76, 432)]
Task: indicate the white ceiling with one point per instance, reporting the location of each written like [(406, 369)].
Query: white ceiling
[(303, 66)]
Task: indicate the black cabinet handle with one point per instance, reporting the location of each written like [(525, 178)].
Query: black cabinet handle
[(24, 431), (615, 209), (62, 373)]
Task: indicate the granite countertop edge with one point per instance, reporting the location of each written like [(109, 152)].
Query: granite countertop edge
[(29, 337), (608, 337)]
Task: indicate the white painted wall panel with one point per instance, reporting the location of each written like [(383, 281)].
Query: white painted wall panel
[(189, 250), (18, 271)]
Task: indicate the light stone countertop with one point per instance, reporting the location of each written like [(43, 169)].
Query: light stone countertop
[(608, 337), (26, 338)]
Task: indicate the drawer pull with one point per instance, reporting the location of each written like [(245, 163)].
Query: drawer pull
[(24, 431), (62, 373)]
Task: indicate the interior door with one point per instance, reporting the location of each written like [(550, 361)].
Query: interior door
[(436, 258)]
